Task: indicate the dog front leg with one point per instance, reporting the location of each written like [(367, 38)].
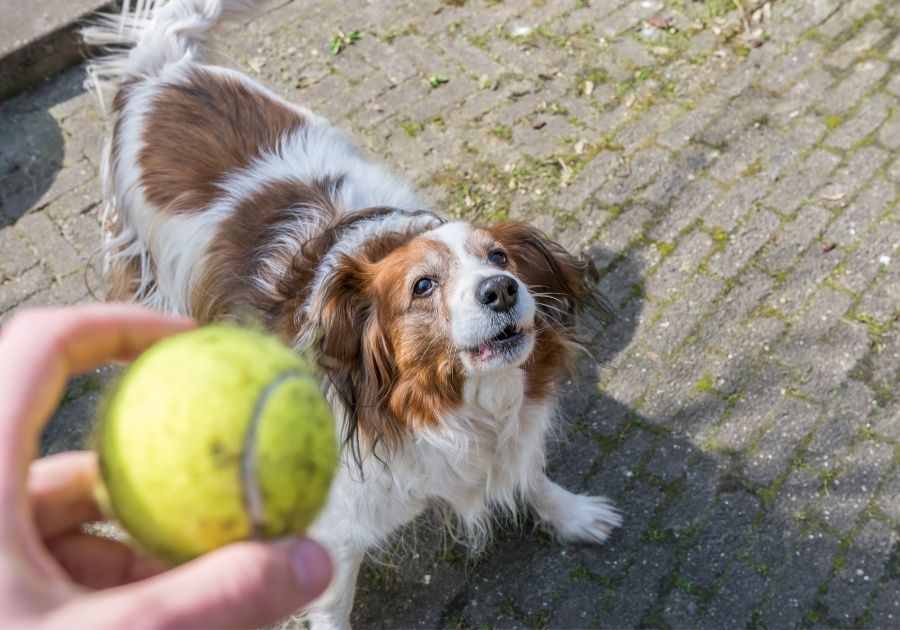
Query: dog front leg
[(573, 517), (332, 610)]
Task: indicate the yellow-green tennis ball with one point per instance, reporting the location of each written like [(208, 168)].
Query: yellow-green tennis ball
[(212, 436)]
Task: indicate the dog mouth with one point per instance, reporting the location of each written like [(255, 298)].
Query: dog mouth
[(504, 345)]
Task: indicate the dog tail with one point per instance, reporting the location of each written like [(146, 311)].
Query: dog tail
[(149, 35)]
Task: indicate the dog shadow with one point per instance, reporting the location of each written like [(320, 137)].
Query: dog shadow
[(31, 148)]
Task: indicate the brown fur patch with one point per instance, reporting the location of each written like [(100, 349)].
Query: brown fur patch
[(429, 373), (388, 354), (227, 288), (199, 130)]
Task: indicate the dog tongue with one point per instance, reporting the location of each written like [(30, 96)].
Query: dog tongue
[(485, 351)]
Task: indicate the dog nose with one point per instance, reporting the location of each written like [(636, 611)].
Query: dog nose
[(499, 293)]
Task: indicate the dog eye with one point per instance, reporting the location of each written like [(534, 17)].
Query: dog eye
[(497, 257), (423, 287)]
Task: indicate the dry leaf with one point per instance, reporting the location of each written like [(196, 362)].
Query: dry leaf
[(660, 21)]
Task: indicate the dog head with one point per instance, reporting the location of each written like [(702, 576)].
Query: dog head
[(407, 318)]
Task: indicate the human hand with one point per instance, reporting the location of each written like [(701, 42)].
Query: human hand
[(52, 573)]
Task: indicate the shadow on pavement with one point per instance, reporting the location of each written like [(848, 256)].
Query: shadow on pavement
[(31, 148)]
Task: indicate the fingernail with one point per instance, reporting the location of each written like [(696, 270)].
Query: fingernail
[(311, 565)]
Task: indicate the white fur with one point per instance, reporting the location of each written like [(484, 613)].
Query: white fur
[(487, 455), (471, 322)]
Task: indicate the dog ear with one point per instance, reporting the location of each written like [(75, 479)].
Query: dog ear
[(356, 356), (563, 285)]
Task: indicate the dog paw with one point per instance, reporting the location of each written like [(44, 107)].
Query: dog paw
[(586, 519)]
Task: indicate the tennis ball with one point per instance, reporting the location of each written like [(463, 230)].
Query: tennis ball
[(212, 436)]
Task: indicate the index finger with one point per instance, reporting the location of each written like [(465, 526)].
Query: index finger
[(40, 350)]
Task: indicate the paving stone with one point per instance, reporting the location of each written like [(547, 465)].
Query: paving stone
[(536, 597), (883, 362), (880, 243), (588, 14), (697, 415), (868, 38), (862, 77), (720, 538), (786, 245), (821, 314), (848, 412), (632, 376), (591, 177), (854, 487), (800, 575), (852, 176), (618, 234), (674, 178), (685, 209), (851, 588), (880, 299), (677, 320), (864, 121), (727, 210), (689, 126), (793, 500), (697, 495), (680, 609), (888, 494), (790, 426), (633, 319), (759, 398), (676, 389), (894, 171), (800, 100), (743, 112), (16, 290), (743, 244), (578, 605), (781, 158), (886, 611), (726, 319), (732, 607), (17, 256), (790, 66), (647, 571), (894, 51), (638, 508), (799, 183), (633, 176), (617, 469), (804, 280), (889, 134), (634, 133), (743, 154), (845, 15), (671, 457), (868, 207), (844, 347)]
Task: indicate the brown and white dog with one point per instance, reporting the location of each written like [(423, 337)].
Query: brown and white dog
[(441, 343)]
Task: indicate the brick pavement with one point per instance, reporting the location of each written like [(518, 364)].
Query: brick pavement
[(739, 192)]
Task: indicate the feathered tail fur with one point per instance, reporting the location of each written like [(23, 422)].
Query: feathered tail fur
[(140, 43), (148, 35)]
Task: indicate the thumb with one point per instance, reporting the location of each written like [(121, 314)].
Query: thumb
[(247, 584)]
